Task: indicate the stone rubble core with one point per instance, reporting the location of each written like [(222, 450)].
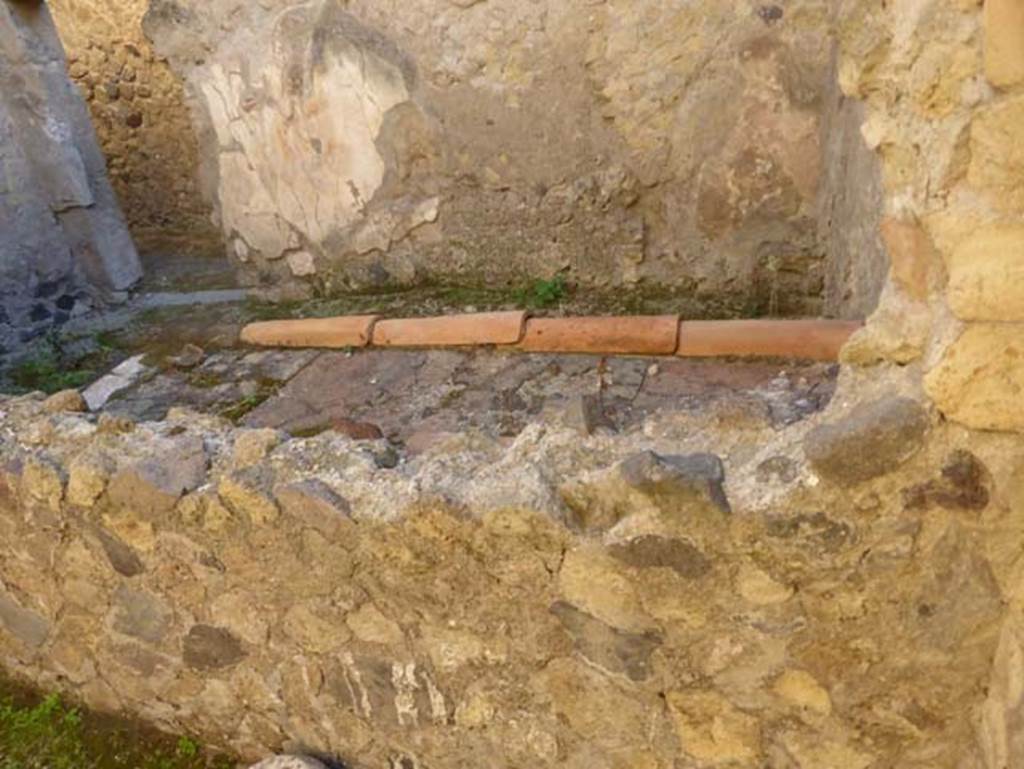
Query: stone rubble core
[(709, 587), (812, 339)]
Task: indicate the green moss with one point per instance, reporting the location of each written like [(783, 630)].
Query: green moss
[(542, 293), (44, 733), (205, 380), (554, 296), (237, 410), (46, 373), (50, 370), (108, 341)]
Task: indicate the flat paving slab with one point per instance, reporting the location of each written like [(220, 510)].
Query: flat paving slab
[(412, 398)]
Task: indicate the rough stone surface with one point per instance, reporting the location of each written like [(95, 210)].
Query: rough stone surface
[(122, 376), (29, 627), (43, 482), (912, 255), (289, 762), (153, 485), (677, 485), (980, 377), (123, 559), (253, 446), (1004, 42), (652, 474), (997, 154), (88, 477), (455, 391), (943, 115), (874, 439), (247, 493), (801, 689), (211, 648), (188, 357), (608, 648), (897, 332), (65, 244), (712, 730), (141, 615), (587, 414), (986, 275), (962, 485), (314, 503), (1002, 735), (65, 400), (459, 608), (653, 552)]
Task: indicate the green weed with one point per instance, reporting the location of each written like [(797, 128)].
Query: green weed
[(51, 735), (543, 293), (237, 410), (46, 372), (46, 735)]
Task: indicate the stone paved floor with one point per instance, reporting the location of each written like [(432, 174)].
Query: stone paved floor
[(414, 397)]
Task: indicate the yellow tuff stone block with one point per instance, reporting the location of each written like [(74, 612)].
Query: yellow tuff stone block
[(1004, 42), (980, 379), (986, 275)]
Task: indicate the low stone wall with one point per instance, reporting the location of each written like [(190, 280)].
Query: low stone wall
[(831, 594)]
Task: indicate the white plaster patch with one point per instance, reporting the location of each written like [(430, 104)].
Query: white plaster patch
[(301, 263)]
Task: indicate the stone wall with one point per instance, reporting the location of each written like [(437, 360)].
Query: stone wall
[(677, 145), (944, 88), (138, 109), (944, 109), (63, 243), (829, 594)]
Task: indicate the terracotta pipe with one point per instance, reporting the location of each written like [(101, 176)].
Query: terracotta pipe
[(451, 330), (633, 335), (349, 331), (813, 339), (808, 339)]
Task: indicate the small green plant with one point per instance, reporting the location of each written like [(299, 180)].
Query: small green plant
[(107, 341), (61, 362), (45, 372), (51, 735), (543, 293), (47, 735), (205, 380), (187, 747), (241, 407), (235, 411)]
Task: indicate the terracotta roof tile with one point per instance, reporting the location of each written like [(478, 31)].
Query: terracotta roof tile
[(808, 339), (640, 335), (451, 330), (350, 331)]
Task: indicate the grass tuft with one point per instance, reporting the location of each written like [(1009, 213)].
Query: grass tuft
[(48, 734)]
